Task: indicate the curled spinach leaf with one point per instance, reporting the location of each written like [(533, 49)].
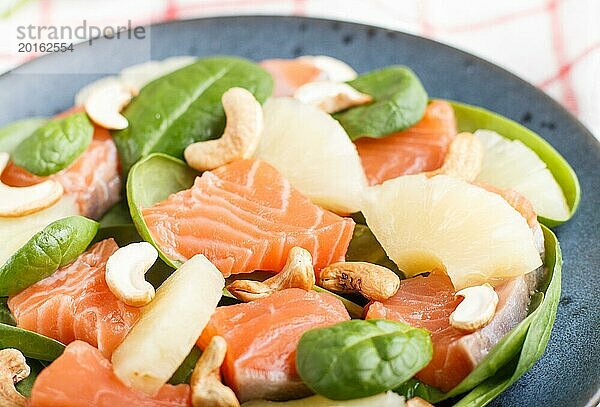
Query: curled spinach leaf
[(399, 101), (55, 145), (31, 344), (57, 244), (358, 358), (472, 118), (184, 106), (152, 180), (14, 133)]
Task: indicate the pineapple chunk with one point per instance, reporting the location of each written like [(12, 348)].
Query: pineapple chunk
[(169, 326), (313, 151), (446, 223), (511, 164)]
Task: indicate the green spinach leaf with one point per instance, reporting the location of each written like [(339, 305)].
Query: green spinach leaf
[(5, 315), (14, 133), (399, 101), (55, 145), (365, 247), (57, 244), (358, 358), (117, 215), (472, 118), (31, 344), (152, 180), (184, 106), (184, 371)]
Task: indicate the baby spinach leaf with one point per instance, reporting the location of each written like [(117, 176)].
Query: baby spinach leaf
[(472, 118), (399, 101), (365, 247), (184, 371), (24, 386), (55, 145), (152, 180), (117, 215), (31, 344), (184, 106), (57, 244), (5, 315), (14, 133), (358, 358)]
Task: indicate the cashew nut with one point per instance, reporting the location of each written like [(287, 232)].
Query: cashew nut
[(207, 389), (374, 282), (125, 270), (298, 272), (463, 159), (476, 310), (332, 69), (21, 201), (241, 136), (13, 369), (330, 96), (105, 101)]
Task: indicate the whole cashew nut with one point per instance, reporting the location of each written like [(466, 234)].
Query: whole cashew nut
[(105, 102), (374, 282), (21, 201), (125, 270), (207, 388), (332, 69), (240, 139), (13, 369), (298, 272), (476, 310)]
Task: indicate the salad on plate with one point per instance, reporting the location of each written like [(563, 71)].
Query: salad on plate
[(218, 232)]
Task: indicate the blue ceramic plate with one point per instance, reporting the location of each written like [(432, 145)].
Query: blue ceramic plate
[(569, 372)]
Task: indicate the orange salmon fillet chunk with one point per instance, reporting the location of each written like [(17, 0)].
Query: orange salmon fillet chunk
[(93, 179), (243, 217), (427, 302), (262, 337), (83, 377), (417, 149), (76, 303)]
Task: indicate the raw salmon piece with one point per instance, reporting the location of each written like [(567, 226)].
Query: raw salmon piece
[(83, 377), (93, 178), (76, 303), (417, 149), (243, 217), (290, 74), (262, 337), (427, 302)]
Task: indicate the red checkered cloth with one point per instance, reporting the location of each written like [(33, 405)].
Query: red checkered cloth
[(552, 43)]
